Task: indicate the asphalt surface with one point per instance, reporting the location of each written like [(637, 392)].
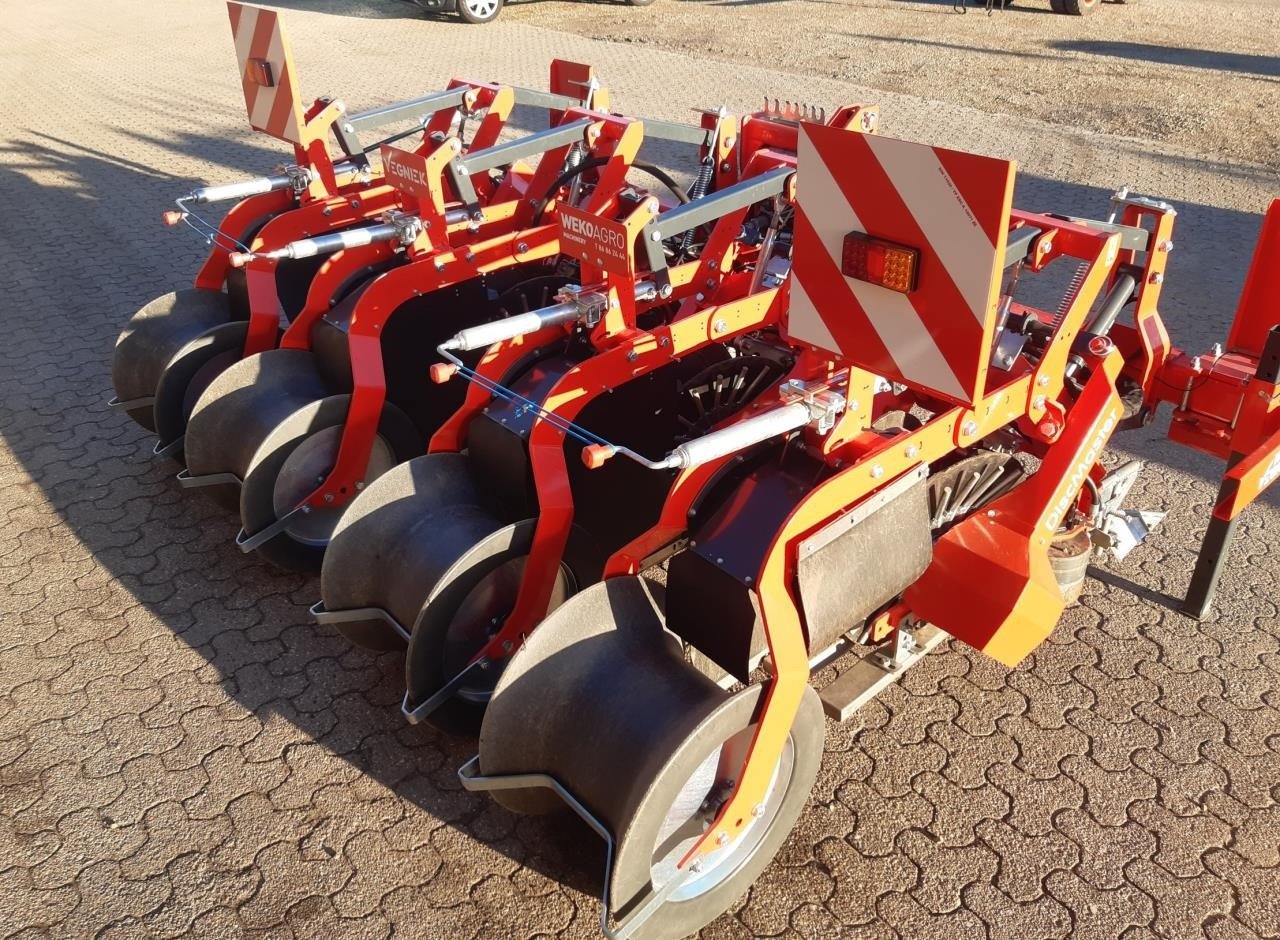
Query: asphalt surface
[(182, 752)]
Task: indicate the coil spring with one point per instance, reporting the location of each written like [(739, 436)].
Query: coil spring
[(700, 187), (1073, 290)]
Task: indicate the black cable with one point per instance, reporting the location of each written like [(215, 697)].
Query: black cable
[(595, 162)]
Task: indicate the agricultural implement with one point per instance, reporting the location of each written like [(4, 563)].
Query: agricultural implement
[(928, 464), (682, 456)]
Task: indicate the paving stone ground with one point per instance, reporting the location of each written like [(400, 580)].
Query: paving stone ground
[(183, 753)]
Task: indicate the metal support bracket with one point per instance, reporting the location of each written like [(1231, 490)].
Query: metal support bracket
[(892, 656), (170, 449), (865, 679), (462, 168), (629, 925), (325, 616), (186, 480), (248, 543), (701, 211), (116, 404), (415, 714)]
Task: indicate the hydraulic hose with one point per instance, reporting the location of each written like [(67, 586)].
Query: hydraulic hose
[(656, 172)]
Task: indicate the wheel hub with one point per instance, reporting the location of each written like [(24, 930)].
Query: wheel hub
[(481, 614), (305, 468), (696, 807)]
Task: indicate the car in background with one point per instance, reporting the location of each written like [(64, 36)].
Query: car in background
[(482, 11)]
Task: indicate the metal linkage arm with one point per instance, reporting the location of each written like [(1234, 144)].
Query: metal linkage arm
[(421, 109), (691, 215), (679, 133), (462, 169)]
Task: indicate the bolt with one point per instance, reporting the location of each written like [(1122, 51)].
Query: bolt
[(723, 839), (359, 485), (328, 497), (665, 291), (912, 451), (725, 167), (991, 513), (471, 255), (328, 211), (700, 297), (969, 428), (877, 472), (440, 266), (1157, 278), (1166, 245), (1042, 381), (521, 247), (306, 510), (506, 646), (713, 264), (665, 341), (719, 326), (349, 127), (631, 356), (355, 203), (695, 866), (655, 237), (1039, 401)]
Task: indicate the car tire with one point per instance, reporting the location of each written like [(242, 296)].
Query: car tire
[(479, 11)]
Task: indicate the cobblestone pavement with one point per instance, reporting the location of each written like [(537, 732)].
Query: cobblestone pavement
[(183, 752)]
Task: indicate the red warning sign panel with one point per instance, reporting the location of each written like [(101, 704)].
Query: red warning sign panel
[(266, 72), (405, 171), (599, 242)]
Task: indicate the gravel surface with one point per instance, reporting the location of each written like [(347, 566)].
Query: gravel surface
[(184, 753), (1204, 74)]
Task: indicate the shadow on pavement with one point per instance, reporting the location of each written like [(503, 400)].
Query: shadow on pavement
[(1262, 66)]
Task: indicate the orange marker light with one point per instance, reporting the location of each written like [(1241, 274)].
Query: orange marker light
[(880, 262)]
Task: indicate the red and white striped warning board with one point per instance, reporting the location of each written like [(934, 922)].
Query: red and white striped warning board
[(266, 72), (944, 212)]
